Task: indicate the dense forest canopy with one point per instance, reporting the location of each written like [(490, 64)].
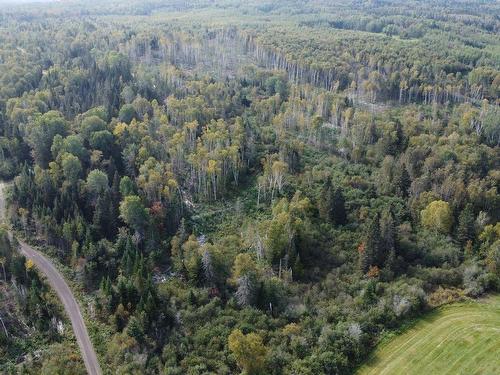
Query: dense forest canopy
[(248, 186)]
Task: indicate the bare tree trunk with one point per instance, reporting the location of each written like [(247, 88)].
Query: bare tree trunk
[(4, 273), (4, 328)]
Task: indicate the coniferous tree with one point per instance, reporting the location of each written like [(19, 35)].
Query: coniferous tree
[(331, 204), (390, 264), (387, 237), (325, 201), (339, 215), (370, 248), (403, 182), (363, 261), (99, 217), (466, 221)]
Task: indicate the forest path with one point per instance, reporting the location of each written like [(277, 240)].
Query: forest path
[(57, 282)]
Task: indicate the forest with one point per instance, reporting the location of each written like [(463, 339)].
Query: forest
[(250, 187)]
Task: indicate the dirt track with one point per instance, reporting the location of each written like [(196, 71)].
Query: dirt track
[(67, 298)]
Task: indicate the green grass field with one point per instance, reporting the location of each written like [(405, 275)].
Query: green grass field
[(462, 338)]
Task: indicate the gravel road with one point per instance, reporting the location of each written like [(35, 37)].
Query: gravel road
[(57, 282)]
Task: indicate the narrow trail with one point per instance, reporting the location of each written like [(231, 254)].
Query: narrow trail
[(57, 282)]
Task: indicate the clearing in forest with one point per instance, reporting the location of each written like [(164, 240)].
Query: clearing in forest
[(462, 338)]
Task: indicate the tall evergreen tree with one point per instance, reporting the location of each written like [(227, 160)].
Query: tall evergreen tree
[(370, 248), (387, 237), (466, 220), (402, 182), (331, 204), (99, 217), (325, 201), (339, 215)]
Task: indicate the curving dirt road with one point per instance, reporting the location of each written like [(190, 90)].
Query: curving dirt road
[(62, 289)]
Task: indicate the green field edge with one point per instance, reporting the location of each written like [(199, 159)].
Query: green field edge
[(491, 300)]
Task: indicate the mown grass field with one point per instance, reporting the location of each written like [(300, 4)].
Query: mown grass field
[(462, 338)]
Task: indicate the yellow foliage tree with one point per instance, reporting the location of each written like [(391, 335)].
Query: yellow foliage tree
[(437, 216), (243, 265), (29, 264), (249, 351)]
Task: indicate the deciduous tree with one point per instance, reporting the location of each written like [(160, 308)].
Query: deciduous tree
[(249, 351)]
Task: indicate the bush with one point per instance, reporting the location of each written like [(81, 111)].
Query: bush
[(475, 280)]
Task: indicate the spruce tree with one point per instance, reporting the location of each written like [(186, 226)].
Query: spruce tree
[(331, 204), (339, 215), (325, 201), (403, 182), (369, 253), (390, 264), (99, 217), (387, 237), (363, 261), (465, 230)]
